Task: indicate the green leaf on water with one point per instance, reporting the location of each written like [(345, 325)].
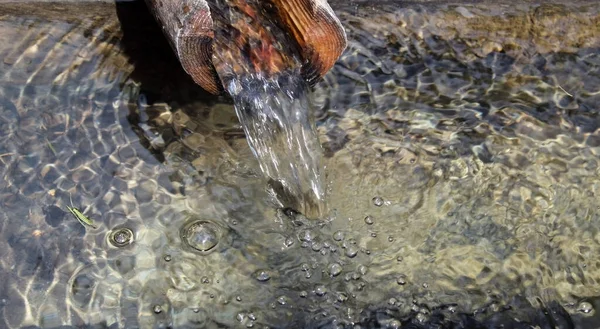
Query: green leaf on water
[(83, 219)]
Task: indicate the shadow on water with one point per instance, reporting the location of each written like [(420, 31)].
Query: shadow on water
[(156, 68)]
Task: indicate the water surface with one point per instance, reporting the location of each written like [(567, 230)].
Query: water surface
[(461, 153)]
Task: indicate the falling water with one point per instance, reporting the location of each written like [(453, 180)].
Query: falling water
[(261, 69), (275, 114)]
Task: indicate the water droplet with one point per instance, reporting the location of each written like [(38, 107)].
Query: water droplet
[(338, 236), (252, 317), (262, 275), (205, 280), (401, 280), (167, 258), (306, 236), (335, 269), (195, 310), (369, 220), (373, 234), (288, 242), (362, 269), (240, 317), (400, 258), (303, 294), (378, 201), (342, 297), (121, 237), (392, 301), (394, 324), (157, 309), (201, 235), (351, 252), (425, 285), (585, 307), (282, 300), (390, 238), (320, 290), (316, 246)]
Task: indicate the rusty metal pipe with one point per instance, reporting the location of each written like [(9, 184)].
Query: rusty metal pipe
[(189, 26)]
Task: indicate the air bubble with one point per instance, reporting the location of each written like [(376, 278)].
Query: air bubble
[(121, 237), (262, 275), (338, 236), (585, 307), (306, 236), (201, 235), (288, 242), (316, 246), (401, 280), (351, 252), (335, 269), (394, 324), (320, 290), (282, 300), (362, 269), (167, 258), (369, 220), (378, 201)]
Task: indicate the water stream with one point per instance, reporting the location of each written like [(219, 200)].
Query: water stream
[(276, 116), (260, 67)]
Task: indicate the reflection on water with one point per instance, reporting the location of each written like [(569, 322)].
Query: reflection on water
[(461, 154)]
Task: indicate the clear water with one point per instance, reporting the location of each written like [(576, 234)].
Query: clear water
[(461, 156), (276, 115)]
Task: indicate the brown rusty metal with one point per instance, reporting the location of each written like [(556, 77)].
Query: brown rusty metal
[(255, 36)]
